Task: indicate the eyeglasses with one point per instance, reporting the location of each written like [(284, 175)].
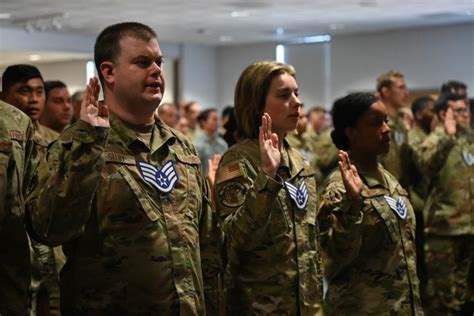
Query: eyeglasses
[(461, 110)]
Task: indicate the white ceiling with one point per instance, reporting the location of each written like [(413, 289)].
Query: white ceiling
[(223, 22)]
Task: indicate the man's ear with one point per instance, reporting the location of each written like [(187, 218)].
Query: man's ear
[(108, 72), (383, 92), (442, 115)]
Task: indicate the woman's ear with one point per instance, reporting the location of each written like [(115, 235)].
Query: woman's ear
[(351, 134), (107, 70)]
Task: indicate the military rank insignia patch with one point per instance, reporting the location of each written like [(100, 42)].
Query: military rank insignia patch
[(399, 137), (298, 194), (397, 205), (163, 179), (468, 158)]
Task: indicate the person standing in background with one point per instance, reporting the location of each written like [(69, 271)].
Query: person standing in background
[(419, 183), (16, 168), (58, 109), (208, 143), (392, 90), (447, 155), (23, 87), (191, 112), (168, 113)]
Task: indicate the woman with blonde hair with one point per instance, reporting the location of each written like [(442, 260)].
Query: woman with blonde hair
[(266, 198)]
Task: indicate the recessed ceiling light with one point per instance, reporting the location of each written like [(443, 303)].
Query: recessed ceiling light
[(239, 14), (35, 57), (5, 16)]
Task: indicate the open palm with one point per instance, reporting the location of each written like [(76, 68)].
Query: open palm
[(91, 111), (269, 147), (350, 176)]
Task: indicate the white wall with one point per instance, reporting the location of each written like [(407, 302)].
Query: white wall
[(312, 64), (231, 61), (198, 75), (427, 57)]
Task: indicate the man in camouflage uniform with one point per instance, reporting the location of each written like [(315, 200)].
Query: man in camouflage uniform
[(423, 113), (447, 154), (125, 196), (393, 92), (23, 87), (15, 170), (319, 143)]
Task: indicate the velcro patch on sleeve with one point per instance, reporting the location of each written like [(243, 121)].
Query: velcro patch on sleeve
[(228, 172)]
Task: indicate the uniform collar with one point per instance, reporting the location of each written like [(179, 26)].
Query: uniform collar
[(160, 135)]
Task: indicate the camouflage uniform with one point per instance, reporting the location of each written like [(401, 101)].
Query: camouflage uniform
[(44, 286), (15, 168), (369, 250), (298, 141), (325, 153), (272, 247), (419, 185), (397, 159), (131, 249), (449, 219)]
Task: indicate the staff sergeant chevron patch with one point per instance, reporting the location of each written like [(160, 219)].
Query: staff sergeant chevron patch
[(468, 158), (298, 194), (397, 205), (163, 179)]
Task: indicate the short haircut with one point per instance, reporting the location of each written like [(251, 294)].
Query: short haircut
[(162, 107), (346, 112), (107, 44), (188, 105), (317, 109), (251, 91), (227, 110), (50, 85), (20, 73), (385, 79), (76, 97), (443, 100), (421, 103), (204, 115), (452, 86)]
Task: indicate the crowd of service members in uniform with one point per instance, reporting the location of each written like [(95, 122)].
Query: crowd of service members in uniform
[(121, 207)]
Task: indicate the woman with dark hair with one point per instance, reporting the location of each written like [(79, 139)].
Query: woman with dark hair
[(367, 222), (266, 198)]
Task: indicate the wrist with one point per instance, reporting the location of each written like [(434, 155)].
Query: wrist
[(269, 172)]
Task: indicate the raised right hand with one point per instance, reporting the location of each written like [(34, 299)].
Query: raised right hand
[(269, 147), (450, 122), (91, 111), (350, 176)]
